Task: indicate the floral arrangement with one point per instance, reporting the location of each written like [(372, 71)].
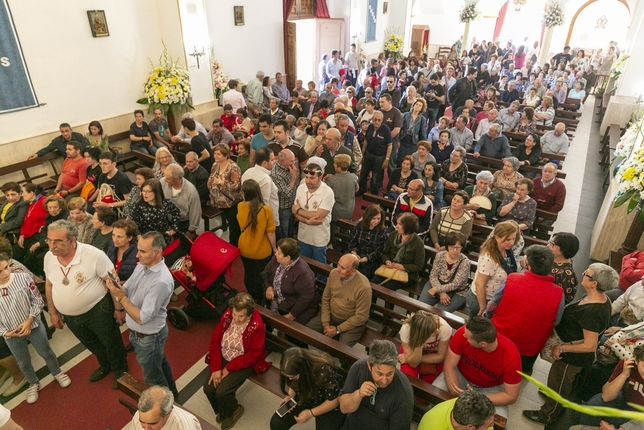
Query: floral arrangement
[(393, 43), (553, 16), (469, 13), (630, 180), (626, 143), (219, 78), (168, 86), (618, 66)]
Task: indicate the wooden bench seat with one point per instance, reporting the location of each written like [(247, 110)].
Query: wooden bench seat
[(23, 167), (494, 164)]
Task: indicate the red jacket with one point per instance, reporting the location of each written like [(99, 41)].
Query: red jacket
[(632, 269), (35, 218), (528, 309), (253, 341)]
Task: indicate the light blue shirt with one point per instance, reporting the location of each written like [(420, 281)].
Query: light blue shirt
[(149, 289)]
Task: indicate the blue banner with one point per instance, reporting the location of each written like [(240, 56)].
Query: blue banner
[(16, 91)]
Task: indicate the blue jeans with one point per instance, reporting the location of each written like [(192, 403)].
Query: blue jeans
[(619, 403), (318, 253), (472, 303), (150, 150), (150, 355), (432, 115), (19, 349), (456, 301), (286, 223), (371, 164), (504, 411)]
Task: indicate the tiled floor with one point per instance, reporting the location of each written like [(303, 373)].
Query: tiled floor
[(584, 196)]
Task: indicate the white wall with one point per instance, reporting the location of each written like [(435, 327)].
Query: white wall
[(397, 19), (195, 36), (243, 50), (81, 78)]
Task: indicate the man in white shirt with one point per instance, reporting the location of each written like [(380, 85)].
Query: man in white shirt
[(510, 116), (157, 411), (75, 275), (233, 97), (313, 204), (182, 136), (352, 58), (484, 125), (279, 89), (334, 65), (261, 173), (185, 197)]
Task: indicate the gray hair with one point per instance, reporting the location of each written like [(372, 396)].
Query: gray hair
[(379, 113), (605, 276), (496, 127), (514, 161), (383, 352), (335, 132), (260, 74), (187, 115), (175, 170), (553, 165), (290, 118), (158, 242), (344, 100), (472, 408), (342, 117), (156, 395), (461, 151), (192, 154), (314, 91), (486, 175), (275, 99), (64, 225), (283, 154), (516, 103)]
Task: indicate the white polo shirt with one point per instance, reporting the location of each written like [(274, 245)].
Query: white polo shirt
[(315, 235), (85, 274)]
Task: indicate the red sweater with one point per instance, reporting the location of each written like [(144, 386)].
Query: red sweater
[(253, 341), (632, 269), (528, 309), (35, 218), (549, 199)]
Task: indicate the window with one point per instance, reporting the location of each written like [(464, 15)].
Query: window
[(372, 18)]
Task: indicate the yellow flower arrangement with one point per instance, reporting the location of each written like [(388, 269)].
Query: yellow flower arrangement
[(168, 86)]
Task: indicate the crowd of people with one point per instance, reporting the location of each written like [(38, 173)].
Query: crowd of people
[(282, 179)]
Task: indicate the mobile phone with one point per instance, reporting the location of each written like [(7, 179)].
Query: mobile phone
[(286, 408), (116, 284)]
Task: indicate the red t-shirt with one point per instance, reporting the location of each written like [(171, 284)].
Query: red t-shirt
[(73, 172), (634, 388), (487, 369)]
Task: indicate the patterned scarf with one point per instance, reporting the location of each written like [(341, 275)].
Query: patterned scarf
[(277, 285)]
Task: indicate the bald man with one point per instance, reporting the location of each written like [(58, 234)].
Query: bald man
[(345, 303), (416, 202), (332, 147), (555, 141)]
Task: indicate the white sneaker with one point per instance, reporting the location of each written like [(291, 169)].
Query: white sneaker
[(32, 393), (63, 380)]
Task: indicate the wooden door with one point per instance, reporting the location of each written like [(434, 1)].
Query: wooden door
[(291, 55)]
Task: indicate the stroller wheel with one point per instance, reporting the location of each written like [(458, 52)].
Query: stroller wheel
[(178, 318)]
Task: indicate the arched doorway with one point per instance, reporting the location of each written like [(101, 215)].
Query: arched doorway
[(599, 24)]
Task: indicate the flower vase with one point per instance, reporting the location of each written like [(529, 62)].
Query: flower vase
[(172, 122)]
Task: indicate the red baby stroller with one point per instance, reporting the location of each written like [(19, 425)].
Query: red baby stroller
[(200, 267)]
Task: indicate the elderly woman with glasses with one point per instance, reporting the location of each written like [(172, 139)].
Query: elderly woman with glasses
[(237, 350), (454, 171), (312, 380), (163, 158), (575, 339), (506, 179)]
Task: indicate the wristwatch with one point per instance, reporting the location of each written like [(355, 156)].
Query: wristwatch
[(337, 331)]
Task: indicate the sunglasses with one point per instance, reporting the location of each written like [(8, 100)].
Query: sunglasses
[(312, 172)]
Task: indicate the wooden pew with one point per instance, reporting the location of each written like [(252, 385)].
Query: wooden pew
[(392, 320), (24, 166), (494, 164), (134, 387)]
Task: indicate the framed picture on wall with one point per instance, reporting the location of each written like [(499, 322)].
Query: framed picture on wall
[(98, 23), (239, 15)]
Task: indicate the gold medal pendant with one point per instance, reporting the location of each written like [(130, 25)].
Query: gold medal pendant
[(65, 281)]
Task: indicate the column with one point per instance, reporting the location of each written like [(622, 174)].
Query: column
[(545, 47)]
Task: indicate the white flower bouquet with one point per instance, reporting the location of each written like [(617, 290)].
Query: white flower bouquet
[(469, 13), (553, 16)]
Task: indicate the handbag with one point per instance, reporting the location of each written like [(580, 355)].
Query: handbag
[(392, 274), (554, 339)]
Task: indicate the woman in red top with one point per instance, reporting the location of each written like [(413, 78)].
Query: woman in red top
[(34, 219), (236, 351), (229, 119)]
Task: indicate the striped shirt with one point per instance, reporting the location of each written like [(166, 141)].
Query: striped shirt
[(19, 299), (179, 419)]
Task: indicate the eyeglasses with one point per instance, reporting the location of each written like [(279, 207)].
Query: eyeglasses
[(587, 275), (55, 241), (551, 242), (147, 191), (312, 172), (390, 82), (455, 247), (372, 399)]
